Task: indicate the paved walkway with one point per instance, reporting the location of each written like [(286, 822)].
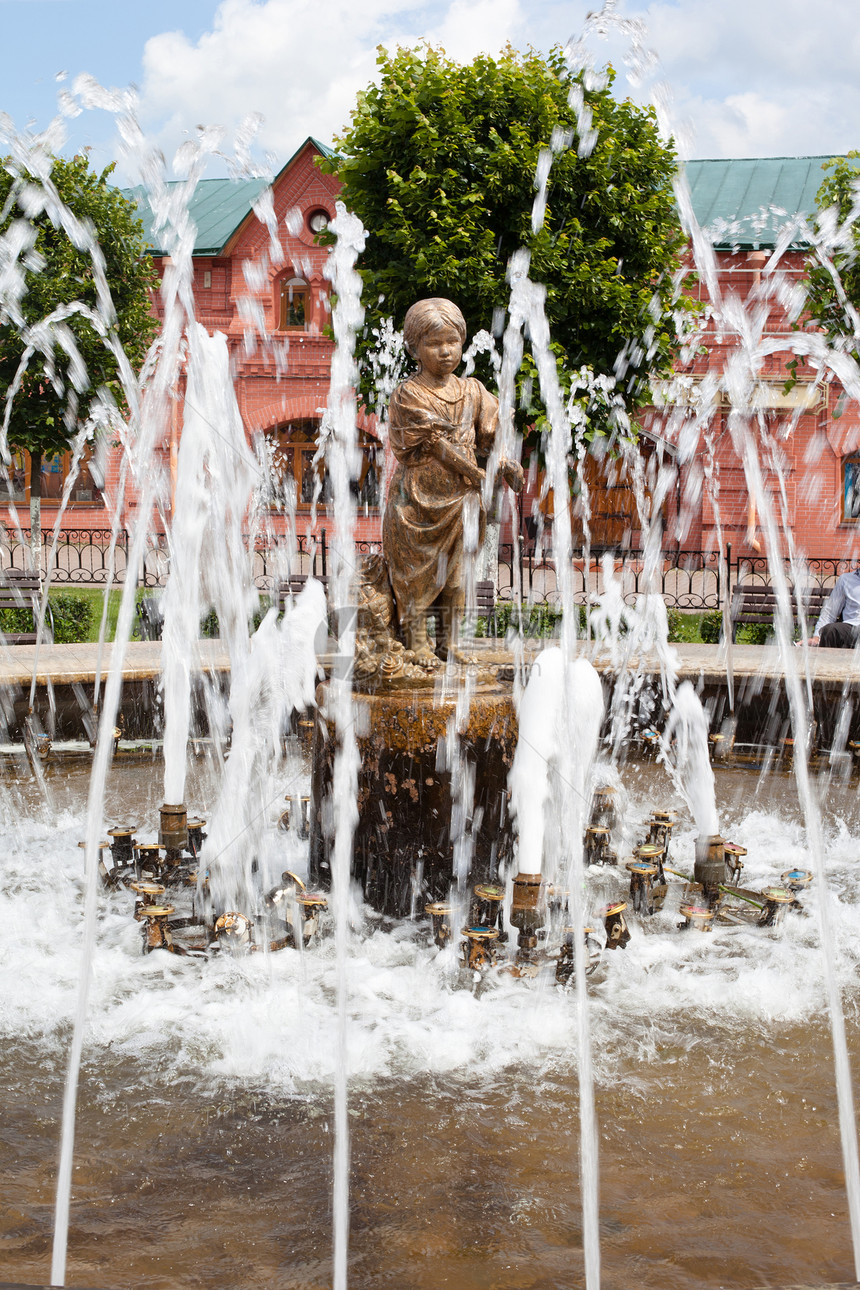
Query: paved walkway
[(65, 664)]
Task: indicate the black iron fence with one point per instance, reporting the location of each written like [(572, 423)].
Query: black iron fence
[(688, 580), (691, 580), (82, 557), (698, 581)]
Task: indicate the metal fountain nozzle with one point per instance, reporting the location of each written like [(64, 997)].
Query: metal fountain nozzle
[(233, 931), (173, 830), (604, 807), (487, 901), (797, 879), (777, 900), (479, 947), (291, 886), (565, 968), (122, 846), (597, 848), (615, 925), (196, 835), (108, 870), (528, 906), (148, 896), (310, 905), (660, 828), (156, 932), (698, 916), (710, 866), (642, 872), (439, 913), (528, 912), (734, 853), (149, 858)]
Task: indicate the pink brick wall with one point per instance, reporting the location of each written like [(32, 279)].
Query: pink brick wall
[(268, 396)]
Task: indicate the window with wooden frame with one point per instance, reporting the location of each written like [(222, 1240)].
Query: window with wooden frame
[(295, 303), (851, 490), (15, 487), (55, 470), (295, 445)]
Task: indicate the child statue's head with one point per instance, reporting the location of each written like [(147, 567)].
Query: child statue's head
[(427, 316)]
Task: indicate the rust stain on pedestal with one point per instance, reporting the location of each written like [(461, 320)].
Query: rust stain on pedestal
[(403, 849)]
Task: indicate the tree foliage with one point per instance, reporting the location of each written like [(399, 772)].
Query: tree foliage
[(439, 163), (833, 283), (50, 270)]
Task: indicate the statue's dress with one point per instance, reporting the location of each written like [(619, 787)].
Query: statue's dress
[(422, 531)]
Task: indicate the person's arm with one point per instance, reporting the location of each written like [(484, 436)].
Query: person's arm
[(830, 613), (445, 452), (414, 433), (512, 473), (833, 607)]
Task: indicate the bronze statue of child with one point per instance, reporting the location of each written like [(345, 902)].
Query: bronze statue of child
[(440, 426)]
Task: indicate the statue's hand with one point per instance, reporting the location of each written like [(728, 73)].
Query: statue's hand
[(512, 474)]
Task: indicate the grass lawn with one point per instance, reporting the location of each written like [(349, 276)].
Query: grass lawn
[(541, 620), (95, 598)]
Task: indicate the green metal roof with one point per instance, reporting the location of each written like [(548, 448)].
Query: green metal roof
[(743, 203), (747, 203), (217, 207)]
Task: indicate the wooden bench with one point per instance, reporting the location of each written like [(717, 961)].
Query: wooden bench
[(294, 585), (754, 602), (20, 590), (485, 597)]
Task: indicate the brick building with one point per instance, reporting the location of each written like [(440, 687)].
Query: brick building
[(754, 213), (279, 301), (281, 383)]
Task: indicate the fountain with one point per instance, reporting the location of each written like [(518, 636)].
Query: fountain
[(440, 1049), (418, 742)]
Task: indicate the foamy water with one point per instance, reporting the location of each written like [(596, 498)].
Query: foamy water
[(270, 1019)]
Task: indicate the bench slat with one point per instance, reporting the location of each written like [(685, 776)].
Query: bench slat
[(756, 603)]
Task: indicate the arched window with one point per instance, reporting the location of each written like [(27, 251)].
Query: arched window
[(294, 305), (295, 448)]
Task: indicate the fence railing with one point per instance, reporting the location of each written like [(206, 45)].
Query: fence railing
[(698, 581), (687, 580)]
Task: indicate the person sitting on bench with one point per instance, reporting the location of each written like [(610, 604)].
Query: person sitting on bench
[(838, 625)]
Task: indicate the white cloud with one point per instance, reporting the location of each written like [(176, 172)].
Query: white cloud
[(298, 63), (472, 27), (767, 78), (751, 77), (752, 125)]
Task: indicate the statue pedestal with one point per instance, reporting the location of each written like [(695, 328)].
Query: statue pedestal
[(403, 853)]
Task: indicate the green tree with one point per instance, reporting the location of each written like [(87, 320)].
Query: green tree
[(439, 163), (78, 289), (833, 270)]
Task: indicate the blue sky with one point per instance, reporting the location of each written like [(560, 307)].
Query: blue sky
[(741, 77)]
